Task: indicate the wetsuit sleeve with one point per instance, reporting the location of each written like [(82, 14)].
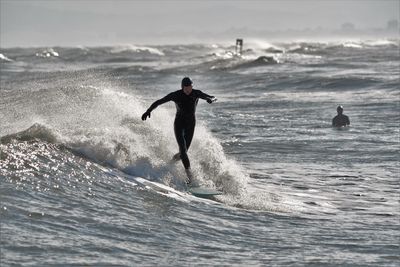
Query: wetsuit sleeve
[(204, 96), (347, 120), (161, 101)]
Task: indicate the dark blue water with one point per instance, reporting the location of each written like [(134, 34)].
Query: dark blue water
[(296, 191)]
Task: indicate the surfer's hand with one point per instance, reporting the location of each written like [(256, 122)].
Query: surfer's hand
[(145, 115), (211, 99)]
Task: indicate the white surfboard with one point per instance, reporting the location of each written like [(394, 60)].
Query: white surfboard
[(204, 192)]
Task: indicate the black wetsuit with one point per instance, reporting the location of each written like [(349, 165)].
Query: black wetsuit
[(185, 119), (340, 120)]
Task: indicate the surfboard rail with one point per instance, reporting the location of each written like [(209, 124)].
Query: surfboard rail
[(204, 192)]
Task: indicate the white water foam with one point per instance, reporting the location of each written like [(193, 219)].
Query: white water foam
[(4, 58), (134, 48)]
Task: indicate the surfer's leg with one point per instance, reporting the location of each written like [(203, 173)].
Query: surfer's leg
[(189, 132), (188, 135), (180, 139)]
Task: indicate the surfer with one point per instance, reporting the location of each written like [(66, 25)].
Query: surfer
[(340, 119), (185, 120)]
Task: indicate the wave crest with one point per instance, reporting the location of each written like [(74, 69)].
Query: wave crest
[(134, 48), (36, 131), (3, 58)]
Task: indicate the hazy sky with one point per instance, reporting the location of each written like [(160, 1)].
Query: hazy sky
[(103, 22)]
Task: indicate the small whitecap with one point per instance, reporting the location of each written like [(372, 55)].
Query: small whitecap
[(4, 58)]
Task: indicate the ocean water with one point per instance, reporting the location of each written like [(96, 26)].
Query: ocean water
[(297, 192)]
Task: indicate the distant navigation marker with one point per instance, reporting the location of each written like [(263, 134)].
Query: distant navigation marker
[(239, 46)]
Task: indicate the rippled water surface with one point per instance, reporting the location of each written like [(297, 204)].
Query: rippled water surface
[(295, 190)]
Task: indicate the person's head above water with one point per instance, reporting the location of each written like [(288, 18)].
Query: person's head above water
[(187, 85), (339, 109)]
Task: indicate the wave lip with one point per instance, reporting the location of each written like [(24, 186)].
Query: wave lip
[(48, 53), (134, 48), (36, 131)]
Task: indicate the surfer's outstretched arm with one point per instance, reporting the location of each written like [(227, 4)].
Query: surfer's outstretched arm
[(156, 104), (208, 98)]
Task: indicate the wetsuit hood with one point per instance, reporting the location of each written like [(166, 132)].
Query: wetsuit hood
[(186, 82)]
